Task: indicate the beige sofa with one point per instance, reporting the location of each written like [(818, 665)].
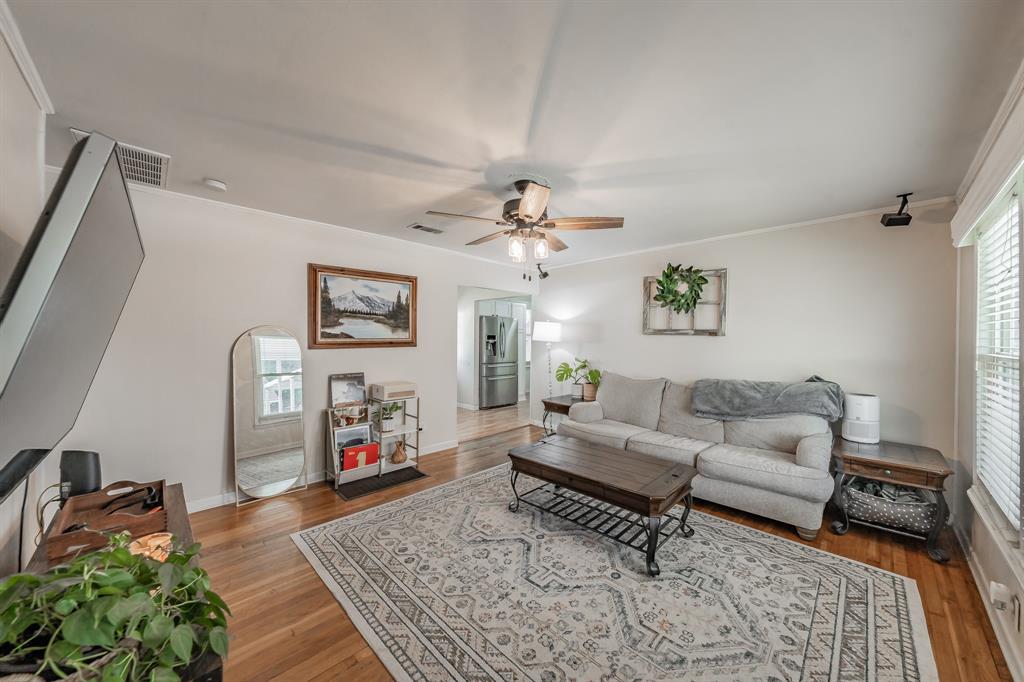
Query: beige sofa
[(776, 467)]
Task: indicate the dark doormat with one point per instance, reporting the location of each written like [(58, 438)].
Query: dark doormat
[(365, 486)]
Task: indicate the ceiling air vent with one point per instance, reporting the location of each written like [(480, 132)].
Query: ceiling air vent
[(424, 228), (141, 166)]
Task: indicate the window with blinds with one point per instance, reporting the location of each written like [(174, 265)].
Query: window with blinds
[(997, 419)]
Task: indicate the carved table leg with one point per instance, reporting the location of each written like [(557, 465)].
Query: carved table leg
[(687, 506), (840, 526), (546, 423), (941, 515), (653, 525), (514, 504)]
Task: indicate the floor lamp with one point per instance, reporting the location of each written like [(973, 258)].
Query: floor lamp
[(548, 332)]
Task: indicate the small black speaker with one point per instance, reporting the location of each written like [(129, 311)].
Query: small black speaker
[(79, 473)]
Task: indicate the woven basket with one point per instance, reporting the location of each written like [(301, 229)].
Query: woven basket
[(916, 517)]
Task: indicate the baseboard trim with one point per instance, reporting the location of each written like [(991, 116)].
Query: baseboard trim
[(1004, 637), (225, 498), (438, 447), (467, 406)]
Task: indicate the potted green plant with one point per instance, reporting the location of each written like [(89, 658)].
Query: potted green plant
[(585, 379), (387, 416), (112, 615)]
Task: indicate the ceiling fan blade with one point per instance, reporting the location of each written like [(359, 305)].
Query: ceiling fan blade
[(582, 223), (487, 238), (467, 217), (534, 202), (555, 243)]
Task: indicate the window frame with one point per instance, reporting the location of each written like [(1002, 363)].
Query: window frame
[(259, 418), (1008, 364)]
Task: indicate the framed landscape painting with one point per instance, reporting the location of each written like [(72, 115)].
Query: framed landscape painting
[(360, 309)]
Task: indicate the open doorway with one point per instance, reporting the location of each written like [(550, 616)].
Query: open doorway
[(493, 361)]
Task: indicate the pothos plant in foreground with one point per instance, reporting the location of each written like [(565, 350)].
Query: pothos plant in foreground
[(111, 615)]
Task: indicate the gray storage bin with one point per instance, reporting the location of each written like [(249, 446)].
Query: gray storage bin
[(914, 511)]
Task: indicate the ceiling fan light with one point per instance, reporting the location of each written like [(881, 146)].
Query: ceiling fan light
[(541, 248), (516, 248)]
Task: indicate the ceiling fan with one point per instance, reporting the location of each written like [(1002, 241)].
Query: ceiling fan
[(525, 222)]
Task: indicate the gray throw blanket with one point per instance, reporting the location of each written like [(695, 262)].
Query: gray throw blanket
[(733, 399)]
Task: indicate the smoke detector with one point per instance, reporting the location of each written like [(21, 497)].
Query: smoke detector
[(141, 166)]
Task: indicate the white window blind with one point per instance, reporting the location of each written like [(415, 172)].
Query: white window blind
[(278, 365), (997, 422)]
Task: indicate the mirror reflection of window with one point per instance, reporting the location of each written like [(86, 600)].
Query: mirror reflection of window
[(277, 364)]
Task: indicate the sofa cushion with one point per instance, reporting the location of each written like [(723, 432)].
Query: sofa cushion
[(765, 469), (678, 419), (604, 431), (586, 412), (666, 446), (774, 433), (633, 401)]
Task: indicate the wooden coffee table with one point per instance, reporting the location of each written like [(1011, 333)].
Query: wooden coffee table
[(646, 486)]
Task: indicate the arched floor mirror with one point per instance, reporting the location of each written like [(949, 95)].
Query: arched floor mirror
[(270, 453)]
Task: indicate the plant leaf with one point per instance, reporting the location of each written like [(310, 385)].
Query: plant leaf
[(157, 631), (170, 575), (181, 642), (65, 606), (117, 669), (138, 603), (163, 675), (219, 641), (81, 628)]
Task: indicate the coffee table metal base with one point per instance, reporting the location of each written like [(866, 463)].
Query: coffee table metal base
[(626, 527)]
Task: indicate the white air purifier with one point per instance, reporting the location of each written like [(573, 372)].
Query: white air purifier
[(861, 418)]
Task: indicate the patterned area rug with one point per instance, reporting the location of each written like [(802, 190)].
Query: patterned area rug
[(449, 584)]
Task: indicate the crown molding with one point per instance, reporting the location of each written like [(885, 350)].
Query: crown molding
[(1013, 95), (15, 43), (760, 230)]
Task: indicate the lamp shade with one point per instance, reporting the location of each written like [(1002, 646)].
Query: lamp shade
[(547, 331)]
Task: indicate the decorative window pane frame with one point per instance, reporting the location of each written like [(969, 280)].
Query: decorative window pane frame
[(706, 319)]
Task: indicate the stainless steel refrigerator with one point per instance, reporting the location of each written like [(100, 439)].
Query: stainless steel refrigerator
[(499, 361)]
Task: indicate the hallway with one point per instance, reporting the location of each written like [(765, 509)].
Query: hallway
[(474, 424)]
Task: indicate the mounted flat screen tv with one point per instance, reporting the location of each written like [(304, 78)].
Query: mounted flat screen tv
[(62, 290)]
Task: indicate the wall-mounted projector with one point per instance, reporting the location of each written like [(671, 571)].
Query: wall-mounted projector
[(900, 218), (861, 413)]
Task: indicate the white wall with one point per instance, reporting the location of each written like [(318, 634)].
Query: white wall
[(160, 404), (22, 125), (868, 307)]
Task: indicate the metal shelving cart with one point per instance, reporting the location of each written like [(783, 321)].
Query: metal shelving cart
[(407, 431)]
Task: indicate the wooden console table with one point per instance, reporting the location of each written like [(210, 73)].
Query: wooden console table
[(913, 466), (558, 404), (209, 668)]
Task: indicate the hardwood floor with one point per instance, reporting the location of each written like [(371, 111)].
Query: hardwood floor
[(473, 424), (286, 625)]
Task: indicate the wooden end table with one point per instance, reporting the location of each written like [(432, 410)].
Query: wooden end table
[(558, 404), (913, 466), (641, 485)]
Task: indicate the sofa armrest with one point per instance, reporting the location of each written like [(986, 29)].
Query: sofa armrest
[(815, 451), (587, 412)]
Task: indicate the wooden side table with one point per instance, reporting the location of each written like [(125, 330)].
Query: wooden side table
[(558, 404), (913, 466)]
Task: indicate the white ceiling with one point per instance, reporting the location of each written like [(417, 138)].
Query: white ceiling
[(690, 119)]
